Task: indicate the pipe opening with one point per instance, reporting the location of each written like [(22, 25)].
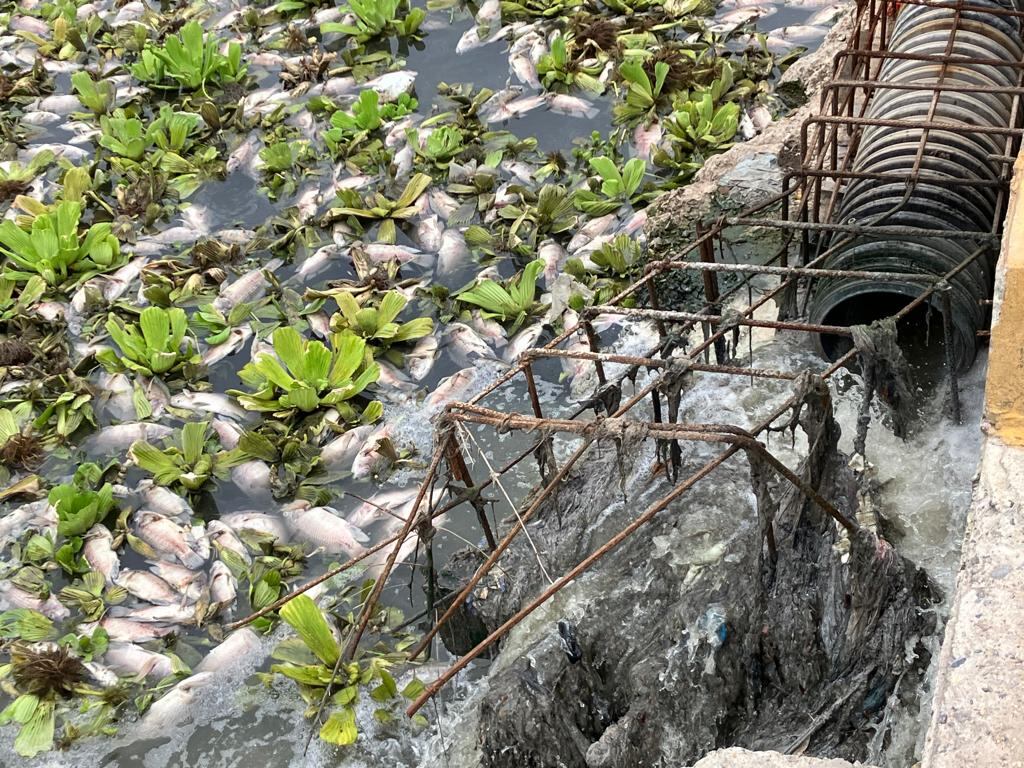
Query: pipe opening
[(920, 332)]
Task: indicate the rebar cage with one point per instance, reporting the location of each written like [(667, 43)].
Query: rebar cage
[(803, 218)]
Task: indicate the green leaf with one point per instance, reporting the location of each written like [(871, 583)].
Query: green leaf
[(305, 618), (413, 689), (193, 440), (25, 624), (340, 728)]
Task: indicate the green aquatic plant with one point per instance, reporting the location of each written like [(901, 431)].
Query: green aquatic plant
[(190, 61), (304, 376), (512, 10), (125, 136), (15, 303), (442, 145), (378, 18), (562, 69), (617, 187), (644, 95), (376, 325), (313, 660), (96, 95), (19, 447), (698, 125), (511, 303), (91, 596), (55, 249), (367, 114), (16, 177), (613, 267), (157, 345), (188, 460), (78, 506), (545, 213), (377, 207)]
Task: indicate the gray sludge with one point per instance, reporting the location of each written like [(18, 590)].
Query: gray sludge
[(690, 638), (932, 202)]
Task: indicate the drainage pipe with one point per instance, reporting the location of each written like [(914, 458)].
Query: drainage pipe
[(929, 203)]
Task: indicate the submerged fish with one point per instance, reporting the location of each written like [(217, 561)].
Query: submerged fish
[(342, 450), (257, 522), (119, 437), (247, 288), (126, 658), (239, 648), (420, 360), (457, 387), (466, 346), (223, 586), (573, 106), (147, 586), (453, 253), (98, 551)]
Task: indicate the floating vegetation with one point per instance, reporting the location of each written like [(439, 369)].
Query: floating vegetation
[(235, 243)]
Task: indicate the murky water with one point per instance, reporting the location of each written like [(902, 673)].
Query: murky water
[(226, 715)]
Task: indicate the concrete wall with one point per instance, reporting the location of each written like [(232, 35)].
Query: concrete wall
[(978, 709)]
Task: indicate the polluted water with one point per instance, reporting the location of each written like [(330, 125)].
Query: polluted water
[(250, 251)]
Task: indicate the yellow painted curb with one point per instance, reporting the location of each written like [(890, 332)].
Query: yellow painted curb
[(1004, 387)]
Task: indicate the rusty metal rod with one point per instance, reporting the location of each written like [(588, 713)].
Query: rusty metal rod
[(673, 316), (764, 269), (657, 362)]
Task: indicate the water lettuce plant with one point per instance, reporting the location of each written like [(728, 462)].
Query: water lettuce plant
[(96, 95), (157, 345), (54, 248), (188, 460), (376, 325), (303, 376), (190, 61), (617, 187), (643, 94), (16, 177), (313, 661), (377, 207), (511, 303), (537, 215), (367, 114), (562, 69), (378, 18)]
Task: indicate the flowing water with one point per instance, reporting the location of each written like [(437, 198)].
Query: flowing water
[(247, 216)]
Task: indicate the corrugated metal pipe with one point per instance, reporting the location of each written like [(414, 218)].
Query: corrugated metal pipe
[(930, 204)]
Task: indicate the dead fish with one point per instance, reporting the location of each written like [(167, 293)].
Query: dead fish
[(452, 253), (825, 17), (340, 86), (223, 537), (237, 339), (171, 614), (746, 13), (147, 586), (174, 707), (129, 659), (760, 116), (119, 437), (523, 56), (98, 551), (466, 346), (20, 520), (457, 387), (391, 85), (392, 379), (177, 236), (522, 341), (62, 105), (30, 24), (635, 223), (227, 432), (554, 256), (474, 38), (428, 234), (76, 155), (115, 285), (420, 360), (125, 630), (646, 138), (15, 597), (223, 586), (384, 504), (41, 118), (257, 522), (491, 331), (573, 106), (244, 156), (237, 649), (382, 253), (163, 501), (499, 111), (247, 288), (785, 38), (401, 162), (213, 403), (320, 260), (252, 477), (489, 13), (441, 203), (320, 324), (323, 528), (369, 459), (185, 581), (164, 535), (342, 450)]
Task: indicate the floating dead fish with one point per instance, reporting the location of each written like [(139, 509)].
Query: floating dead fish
[(224, 538), (453, 253), (420, 360), (227, 432), (593, 228), (391, 85), (174, 707), (646, 138), (15, 597), (466, 346), (126, 658), (244, 156), (187, 582), (223, 586), (574, 106), (383, 252), (147, 586), (784, 38), (554, 258), (235, 342), (457, 387), (342, 450), (369, 460), (473, 39), (213, 403), (238, 649), (163, 501), (125, 630), (324, 528), (252, 477), (522, 341), (98, 551), (119, 437), (248, 288), (441, 203), (428, 234), (166, 536), (257, 522)]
